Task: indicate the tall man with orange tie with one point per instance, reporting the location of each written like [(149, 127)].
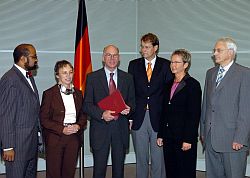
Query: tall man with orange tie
[(107, 130), (150, 73)]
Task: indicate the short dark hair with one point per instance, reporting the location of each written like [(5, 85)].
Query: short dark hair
[(152, 38), (61, 64), (21, 50)]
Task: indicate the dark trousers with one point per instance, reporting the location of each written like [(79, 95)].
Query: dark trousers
[(61, 158), (118, 151), (179, 163), (21, 168)]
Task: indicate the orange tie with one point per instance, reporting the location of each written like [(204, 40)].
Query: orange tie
[(149, 71)]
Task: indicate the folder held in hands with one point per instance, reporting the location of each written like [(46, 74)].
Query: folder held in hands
[(113, 102)]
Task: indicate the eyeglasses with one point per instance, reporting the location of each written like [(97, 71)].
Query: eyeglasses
[(146, 47), (218, 50), (176, 62), (115, 56), (33, 57)]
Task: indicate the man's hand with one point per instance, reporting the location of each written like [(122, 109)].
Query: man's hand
[(9, 155), (159, 141), (186, 146), (126, 111), (107, 115), (237, 146)]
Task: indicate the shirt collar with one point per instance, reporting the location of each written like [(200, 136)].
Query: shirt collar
[(226, 68), (152, 61), (23, 71), (108, 71)]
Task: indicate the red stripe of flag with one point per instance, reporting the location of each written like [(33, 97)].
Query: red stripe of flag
[(82, 64)]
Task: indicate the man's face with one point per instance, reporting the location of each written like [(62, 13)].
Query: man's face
[(222, 55), (148, 51), (111, 58), (32, 62)]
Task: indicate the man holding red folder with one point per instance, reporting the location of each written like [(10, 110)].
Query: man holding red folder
[(107, 128)]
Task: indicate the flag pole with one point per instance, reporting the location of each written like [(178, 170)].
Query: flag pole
[(82, 63), (81, 159)]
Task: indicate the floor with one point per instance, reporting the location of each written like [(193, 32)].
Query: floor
[(129, 173)]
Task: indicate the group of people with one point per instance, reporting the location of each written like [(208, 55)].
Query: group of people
[(163, 111)]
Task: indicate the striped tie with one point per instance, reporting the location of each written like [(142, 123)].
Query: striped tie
[(149, 71), (219, 76)]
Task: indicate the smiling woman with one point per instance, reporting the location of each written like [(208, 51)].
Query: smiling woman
[(63, 123)]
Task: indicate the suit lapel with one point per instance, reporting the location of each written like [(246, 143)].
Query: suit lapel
[(119, 80), (142, 70), (156, 70), (58, 98), (103, 80), (34, 86), (226, 77), (181, 85), (24, 80), (77, 101)]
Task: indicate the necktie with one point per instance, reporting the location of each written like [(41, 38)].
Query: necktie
[(28, 74), (112, 86), (219, 76), (149, 71)]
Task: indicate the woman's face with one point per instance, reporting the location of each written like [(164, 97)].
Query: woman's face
[(65, 76), (177, 65)]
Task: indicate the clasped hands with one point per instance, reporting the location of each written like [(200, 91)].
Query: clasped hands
[(71, 129), (107, 115)]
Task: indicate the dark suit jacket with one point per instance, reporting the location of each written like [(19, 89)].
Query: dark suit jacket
[(180, 115), (53, 111), (19, 114), (96, 90), (149, 92)]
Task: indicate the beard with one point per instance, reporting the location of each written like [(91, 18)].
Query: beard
[(28, 67)]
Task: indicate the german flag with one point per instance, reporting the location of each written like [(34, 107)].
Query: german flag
[(82, 63)]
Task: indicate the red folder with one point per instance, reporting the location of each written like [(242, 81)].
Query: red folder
[(113, 102)]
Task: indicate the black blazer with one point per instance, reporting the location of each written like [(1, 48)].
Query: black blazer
[(96, 90), (150, 93), (180, 115)]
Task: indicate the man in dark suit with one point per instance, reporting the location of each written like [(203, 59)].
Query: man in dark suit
[(225, 123), (19, 115), (150, 73), (107, 130)]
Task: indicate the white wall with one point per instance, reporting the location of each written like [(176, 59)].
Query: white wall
[(50, 26)]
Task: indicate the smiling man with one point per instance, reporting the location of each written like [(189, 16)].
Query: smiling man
[(106, 130), (151, 74)]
